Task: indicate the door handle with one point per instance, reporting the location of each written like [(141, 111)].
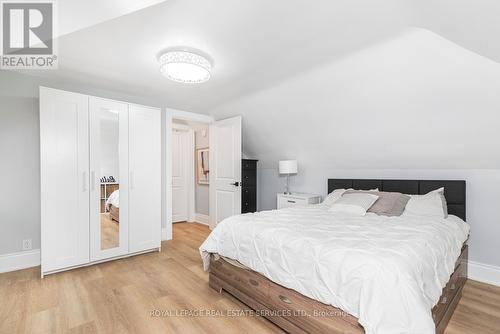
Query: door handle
[(236, 184)]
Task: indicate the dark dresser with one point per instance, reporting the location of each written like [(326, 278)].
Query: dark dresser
[(248, 185)]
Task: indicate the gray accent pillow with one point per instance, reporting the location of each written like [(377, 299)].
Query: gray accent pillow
[(388, 203)]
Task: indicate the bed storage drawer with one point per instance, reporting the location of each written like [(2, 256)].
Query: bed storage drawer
[(247, 281), (285, 307), (296, 313), (453, 288), (319, 316)]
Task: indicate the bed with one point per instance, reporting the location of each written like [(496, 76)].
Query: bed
[(113, 205), (310, 272)]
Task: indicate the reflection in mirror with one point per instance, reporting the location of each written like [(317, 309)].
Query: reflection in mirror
[(109, 176)]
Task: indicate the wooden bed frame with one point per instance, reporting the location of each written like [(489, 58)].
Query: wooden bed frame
[(114, 213), (296, 313)]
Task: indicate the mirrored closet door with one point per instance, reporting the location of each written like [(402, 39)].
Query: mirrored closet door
[(104, 157), (108, 178)]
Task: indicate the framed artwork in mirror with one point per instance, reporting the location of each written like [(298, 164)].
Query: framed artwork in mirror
[(202, 168)]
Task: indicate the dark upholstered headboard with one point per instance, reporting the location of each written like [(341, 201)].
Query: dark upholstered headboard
[(454, 191)]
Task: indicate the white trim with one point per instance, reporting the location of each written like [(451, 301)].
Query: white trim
[(20, 260), (29, 259), (164, 234), (190, 116), (202, 219), (169, 115), (124, 256), (191, 184), (188, 154), (167, 205), (180, 127), (484, 273)]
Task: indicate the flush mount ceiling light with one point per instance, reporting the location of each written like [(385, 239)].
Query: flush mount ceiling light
[(185, 66)]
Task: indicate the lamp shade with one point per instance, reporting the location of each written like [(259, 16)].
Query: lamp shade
[(288, 167)]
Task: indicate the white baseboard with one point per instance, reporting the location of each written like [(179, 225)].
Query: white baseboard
[(20, 260), (164, 234), (484, 273), (201, 218), (16, 261)]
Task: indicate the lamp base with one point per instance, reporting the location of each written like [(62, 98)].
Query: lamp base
[(287, 189)]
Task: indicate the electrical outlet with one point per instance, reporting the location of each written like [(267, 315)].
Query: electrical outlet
[(27, 244)]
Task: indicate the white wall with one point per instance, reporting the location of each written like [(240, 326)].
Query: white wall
[(20, 154), (414, 106), (19, 172)]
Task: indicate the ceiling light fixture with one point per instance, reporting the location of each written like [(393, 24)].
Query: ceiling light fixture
[(185, 66)]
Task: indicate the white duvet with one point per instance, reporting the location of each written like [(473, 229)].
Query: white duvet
[(114, 199), (387, 271)]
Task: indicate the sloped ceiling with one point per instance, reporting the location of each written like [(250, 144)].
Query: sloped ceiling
[(343, 83), (254, 44), (413, 101), (74, 15)]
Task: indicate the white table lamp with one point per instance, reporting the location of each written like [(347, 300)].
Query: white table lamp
[(288, 167)]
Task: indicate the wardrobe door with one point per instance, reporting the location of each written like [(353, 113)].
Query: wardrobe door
[(108, 178), (145, 178), (64, 164)]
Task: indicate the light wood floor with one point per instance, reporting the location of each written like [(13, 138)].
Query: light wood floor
[(118, 297), (110, 232)]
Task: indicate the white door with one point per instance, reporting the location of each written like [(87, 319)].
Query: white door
[(64, 153), (108, 178), (225, 169), (180, 153), (144, 178)]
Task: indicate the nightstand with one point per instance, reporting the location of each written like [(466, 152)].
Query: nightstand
[(286, 201)]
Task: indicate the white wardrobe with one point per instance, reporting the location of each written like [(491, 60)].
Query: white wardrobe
[(100, 179)]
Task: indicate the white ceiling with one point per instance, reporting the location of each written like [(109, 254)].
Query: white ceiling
[(255, 44), (352, 78), (415, 101), (74, 15)]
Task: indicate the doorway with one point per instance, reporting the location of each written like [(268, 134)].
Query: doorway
[(183, 145), (216, 165), (190, 171)]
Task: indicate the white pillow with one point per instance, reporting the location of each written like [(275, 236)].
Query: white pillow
[(355, 204), (432, 204), (336, 194), (333, 196)]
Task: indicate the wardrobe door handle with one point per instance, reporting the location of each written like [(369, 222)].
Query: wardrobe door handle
[(84, 182)]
